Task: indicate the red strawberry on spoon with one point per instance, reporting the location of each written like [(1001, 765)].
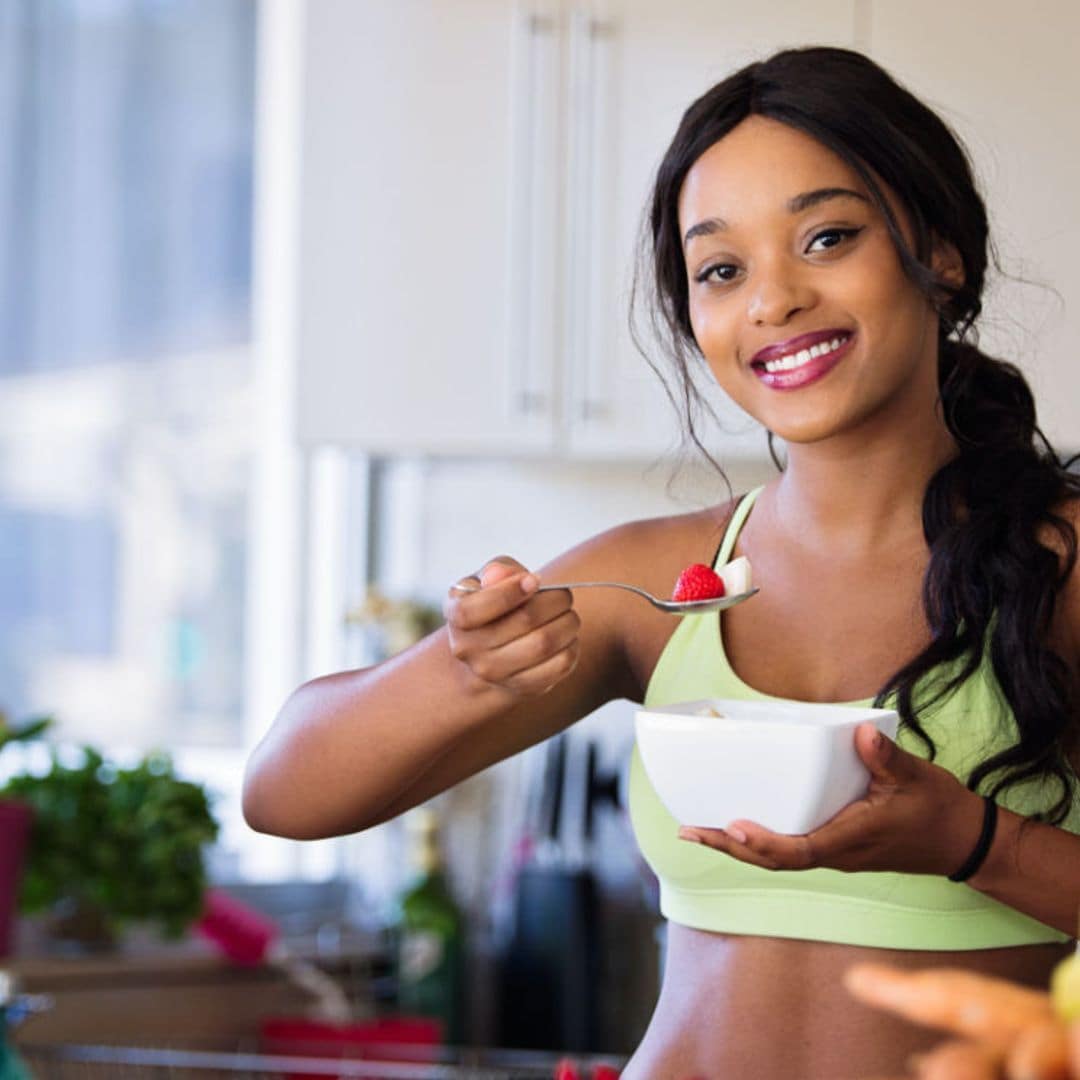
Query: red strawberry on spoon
[(698, 582)]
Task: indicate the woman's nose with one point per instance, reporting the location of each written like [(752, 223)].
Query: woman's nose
[(777, 292)]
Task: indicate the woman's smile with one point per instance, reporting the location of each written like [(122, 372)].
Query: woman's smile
[(799, 361)]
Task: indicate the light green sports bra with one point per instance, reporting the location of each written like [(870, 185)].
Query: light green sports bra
[(710, 891)]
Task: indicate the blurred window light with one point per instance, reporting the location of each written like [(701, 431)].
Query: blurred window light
[(126, 141)]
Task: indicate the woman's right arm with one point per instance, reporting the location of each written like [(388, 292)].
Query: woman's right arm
[(510, 668)]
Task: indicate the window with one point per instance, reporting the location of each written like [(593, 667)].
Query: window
[(126, 129)]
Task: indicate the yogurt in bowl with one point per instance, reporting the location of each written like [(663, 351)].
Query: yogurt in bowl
[(786, 765)]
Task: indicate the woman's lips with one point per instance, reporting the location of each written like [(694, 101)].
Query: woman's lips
[(810, 371)]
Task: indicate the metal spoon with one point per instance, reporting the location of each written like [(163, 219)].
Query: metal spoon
[(674, 607)]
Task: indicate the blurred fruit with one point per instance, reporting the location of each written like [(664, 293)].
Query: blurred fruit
[(1039, 1053), (958, 1060), (1065, 988), (1073, 1039), (994, 1011)]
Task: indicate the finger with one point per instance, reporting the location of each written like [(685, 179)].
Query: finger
[(843, 836), (490, 602), (494, 570), (470, 583), (473, 635), (782, 850), (546, 675), (888, 764), (723, 840), (525, 651), (499, 569)]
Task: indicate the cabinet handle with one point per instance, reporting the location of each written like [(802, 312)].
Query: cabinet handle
[(588, 275), (532, 205)]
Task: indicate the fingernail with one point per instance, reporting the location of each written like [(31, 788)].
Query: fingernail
[(691, 837), (736, 833), (530, 583)]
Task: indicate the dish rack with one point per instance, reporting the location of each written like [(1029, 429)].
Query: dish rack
[(102, 1062)]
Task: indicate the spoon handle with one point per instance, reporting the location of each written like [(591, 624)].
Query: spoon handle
[(465, 588)]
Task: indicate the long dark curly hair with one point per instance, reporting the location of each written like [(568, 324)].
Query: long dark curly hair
[(992, 582)]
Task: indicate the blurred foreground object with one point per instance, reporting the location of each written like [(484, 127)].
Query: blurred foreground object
[(1010, 1032), (16, 817), (11, 1066)]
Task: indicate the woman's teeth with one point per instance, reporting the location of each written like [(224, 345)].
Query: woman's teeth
[(803, 356)]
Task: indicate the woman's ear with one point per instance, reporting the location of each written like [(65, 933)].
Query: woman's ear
[(946, 263)]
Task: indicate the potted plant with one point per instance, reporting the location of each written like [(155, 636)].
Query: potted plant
[(114, 846), (15, 816)]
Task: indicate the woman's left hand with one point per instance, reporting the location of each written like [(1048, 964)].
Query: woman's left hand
[(915, 817)]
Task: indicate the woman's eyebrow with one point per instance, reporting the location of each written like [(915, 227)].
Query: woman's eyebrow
[(795, 205), (798, 203)]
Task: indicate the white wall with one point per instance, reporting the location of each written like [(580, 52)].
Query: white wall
[(440, 520)]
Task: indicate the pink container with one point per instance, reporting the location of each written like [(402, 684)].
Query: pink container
[(15, 818)]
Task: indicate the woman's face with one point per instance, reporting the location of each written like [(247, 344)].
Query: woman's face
[(797, 297)]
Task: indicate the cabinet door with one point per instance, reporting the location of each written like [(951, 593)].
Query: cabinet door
[(1011, 97), (637, 65), (427, 267)]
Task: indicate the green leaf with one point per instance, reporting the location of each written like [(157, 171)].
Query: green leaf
[(131, 841)]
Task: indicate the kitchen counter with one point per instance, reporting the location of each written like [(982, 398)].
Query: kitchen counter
[(155, 993)]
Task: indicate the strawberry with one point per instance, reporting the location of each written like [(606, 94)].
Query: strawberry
[(698, 582)]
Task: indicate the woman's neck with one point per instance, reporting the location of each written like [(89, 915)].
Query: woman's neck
[(851, 494)]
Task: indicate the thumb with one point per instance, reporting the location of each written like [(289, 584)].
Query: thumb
[(885, 760), (499, 569)]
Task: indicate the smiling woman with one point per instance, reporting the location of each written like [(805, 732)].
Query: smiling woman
[(770, 261), (825, 264)]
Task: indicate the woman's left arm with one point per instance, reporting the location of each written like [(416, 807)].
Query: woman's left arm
[(1034, 868)]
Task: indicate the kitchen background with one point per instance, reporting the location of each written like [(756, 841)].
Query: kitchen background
[(309, 308)]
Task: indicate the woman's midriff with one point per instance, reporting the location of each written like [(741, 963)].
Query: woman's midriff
[(754, 1008)]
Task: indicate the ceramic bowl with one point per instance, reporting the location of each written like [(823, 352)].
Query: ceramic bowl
[(786, 765)]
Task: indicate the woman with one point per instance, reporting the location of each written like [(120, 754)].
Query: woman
[(818, 243)]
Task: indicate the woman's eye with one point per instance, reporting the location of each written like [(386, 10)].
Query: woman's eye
[(830, 238), (719, 272)]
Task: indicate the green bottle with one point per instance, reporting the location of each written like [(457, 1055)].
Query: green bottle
[(431, 936)]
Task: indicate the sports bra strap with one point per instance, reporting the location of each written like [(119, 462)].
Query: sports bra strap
[(738, 519)]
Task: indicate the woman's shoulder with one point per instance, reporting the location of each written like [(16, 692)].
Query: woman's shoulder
[(648, 551)]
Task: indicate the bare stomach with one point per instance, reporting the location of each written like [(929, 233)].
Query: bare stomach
[(753, 1008)]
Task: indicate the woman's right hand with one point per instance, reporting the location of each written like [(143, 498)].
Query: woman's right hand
[(506, 635)]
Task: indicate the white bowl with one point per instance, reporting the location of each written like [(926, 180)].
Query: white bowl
[(786, 765)]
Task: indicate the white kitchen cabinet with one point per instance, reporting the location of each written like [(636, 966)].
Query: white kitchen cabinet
[(472, 179), (649, 62), (1008, 92), (415, 249)]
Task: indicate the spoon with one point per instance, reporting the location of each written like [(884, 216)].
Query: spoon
[(673, 607)]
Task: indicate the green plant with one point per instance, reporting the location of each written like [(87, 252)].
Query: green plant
[(127, 843), (28, 729)]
